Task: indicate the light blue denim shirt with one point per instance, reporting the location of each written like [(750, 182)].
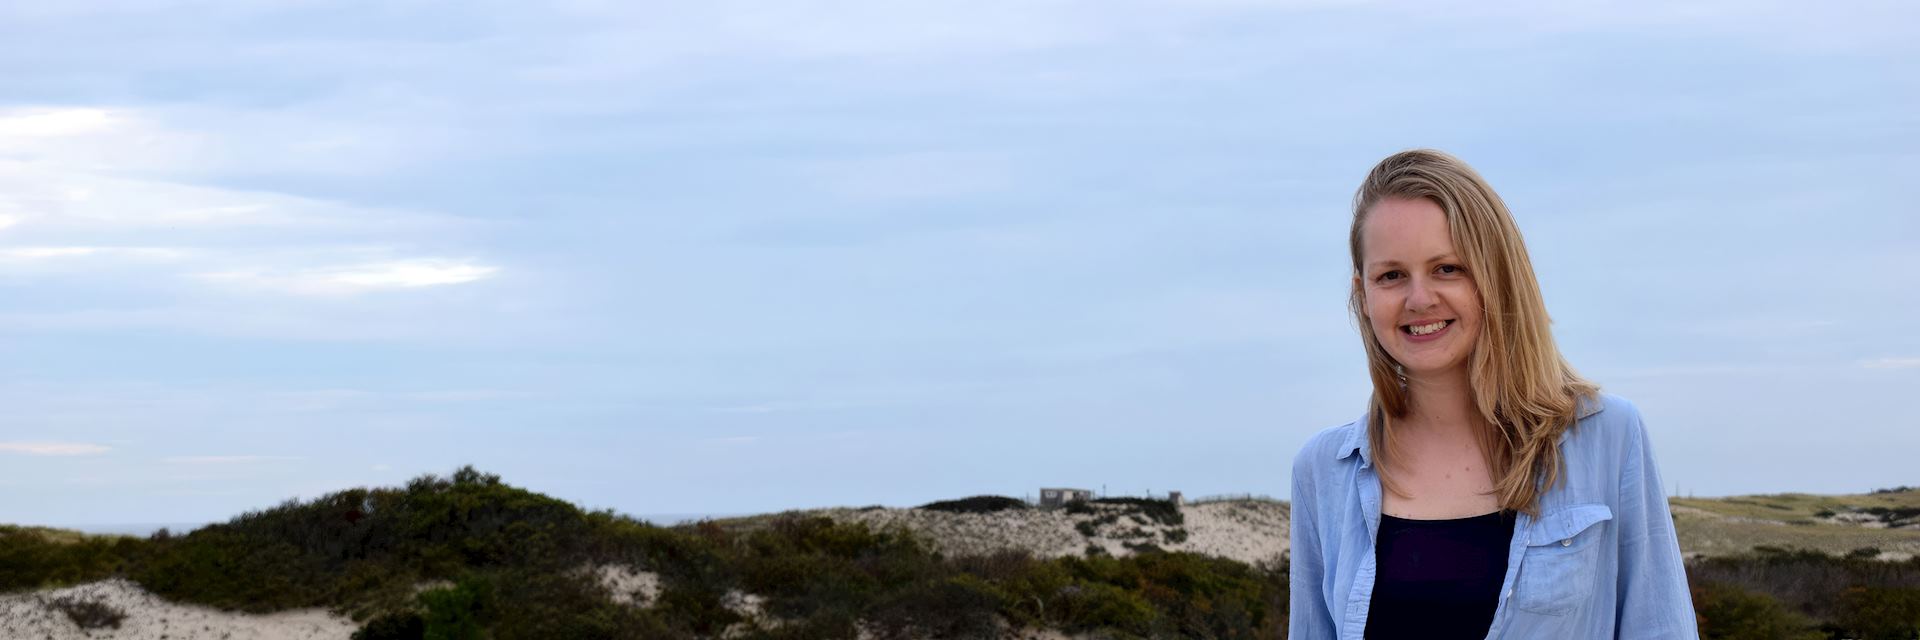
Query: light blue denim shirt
[(1601, 560)]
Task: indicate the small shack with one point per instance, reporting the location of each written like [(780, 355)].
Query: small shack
[(1060, 497)]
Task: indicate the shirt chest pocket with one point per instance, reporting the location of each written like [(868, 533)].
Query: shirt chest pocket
[(1561, 563)]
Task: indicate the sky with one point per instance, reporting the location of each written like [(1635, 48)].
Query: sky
[(736, 257)]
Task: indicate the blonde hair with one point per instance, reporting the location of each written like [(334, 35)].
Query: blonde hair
[(1526, 393)]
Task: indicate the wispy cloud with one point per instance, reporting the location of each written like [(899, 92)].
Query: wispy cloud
[(53, 448), (1891, 363), (33, 254), (349, 279), (226, 459), (54, 122)]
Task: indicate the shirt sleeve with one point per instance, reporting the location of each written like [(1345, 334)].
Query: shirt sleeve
[(1653, 600), (1308, 618)]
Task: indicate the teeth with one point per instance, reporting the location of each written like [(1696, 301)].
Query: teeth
[(1428, 328)]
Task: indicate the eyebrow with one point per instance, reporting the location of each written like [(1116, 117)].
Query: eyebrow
[(1390, 263)]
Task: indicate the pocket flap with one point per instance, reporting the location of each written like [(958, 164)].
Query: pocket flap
[(1563, 524)]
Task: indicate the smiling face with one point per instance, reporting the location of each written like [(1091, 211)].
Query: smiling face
[(1420, 302)]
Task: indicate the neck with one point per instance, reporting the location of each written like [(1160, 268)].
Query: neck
[(1443, 401)]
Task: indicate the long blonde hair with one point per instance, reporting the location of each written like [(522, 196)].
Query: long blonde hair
[(1526, 393)]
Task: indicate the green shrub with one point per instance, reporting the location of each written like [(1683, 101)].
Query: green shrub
[(38, 558), (1162, 511), (977, 504), (1728, 612), (364, 548), (1832, 591), (1088, 607), (961, 606), (1880, 613), (457, 613)]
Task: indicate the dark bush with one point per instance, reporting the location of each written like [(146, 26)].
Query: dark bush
[(1162, 511), (976, 504), (397, 625), (1727, 612), (36, 558), (1810, 583), (1880, 613), (364, 548), (997, 567), (88, 613), (1174, 536), (457, 613), (961, 606)]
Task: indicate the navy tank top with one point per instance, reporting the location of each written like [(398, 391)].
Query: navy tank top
[(1438, 579)]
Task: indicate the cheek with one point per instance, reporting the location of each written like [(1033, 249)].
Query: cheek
[(1380, 312)]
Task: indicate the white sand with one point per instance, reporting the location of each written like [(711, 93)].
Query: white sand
[(1249, 531), (629, 585), (28, 616)]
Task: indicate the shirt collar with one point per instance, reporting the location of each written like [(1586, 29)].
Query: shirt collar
[(1358, 436)]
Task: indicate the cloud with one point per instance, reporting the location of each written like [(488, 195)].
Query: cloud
[(52, 448), (85, 189), (226, 459), (350, 279), (54, 122), (38, 254), (1891, 363)]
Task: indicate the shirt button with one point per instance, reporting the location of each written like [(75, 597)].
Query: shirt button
[(1567, 542), (1508, 594)]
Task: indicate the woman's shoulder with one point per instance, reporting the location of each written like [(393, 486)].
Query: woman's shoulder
[(1608, 420), (1331, 444)]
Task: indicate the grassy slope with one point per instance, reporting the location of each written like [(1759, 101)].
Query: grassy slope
[(1722, 526)]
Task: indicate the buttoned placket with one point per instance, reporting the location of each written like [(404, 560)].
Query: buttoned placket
[(1360, 600)]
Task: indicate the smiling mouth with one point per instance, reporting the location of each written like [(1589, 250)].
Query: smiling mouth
[(1425, 329)]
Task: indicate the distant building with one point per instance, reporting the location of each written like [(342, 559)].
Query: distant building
[(1060, 497), (1176, 499)]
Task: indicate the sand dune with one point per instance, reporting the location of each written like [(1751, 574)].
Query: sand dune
[(148, 617)]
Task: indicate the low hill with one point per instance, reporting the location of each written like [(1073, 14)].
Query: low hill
[(1884, 524), (467, 556)]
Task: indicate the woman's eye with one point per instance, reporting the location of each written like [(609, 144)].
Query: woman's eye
[(1390, 275), (1450, 269)]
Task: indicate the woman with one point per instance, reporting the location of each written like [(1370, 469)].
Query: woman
[(1489, 491)]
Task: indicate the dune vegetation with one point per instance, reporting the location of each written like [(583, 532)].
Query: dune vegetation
[(498, 561), (468, 556)]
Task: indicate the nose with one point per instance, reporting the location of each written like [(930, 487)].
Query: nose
[(1420, 295)]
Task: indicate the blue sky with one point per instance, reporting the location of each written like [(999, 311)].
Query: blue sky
[(731, 257)]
